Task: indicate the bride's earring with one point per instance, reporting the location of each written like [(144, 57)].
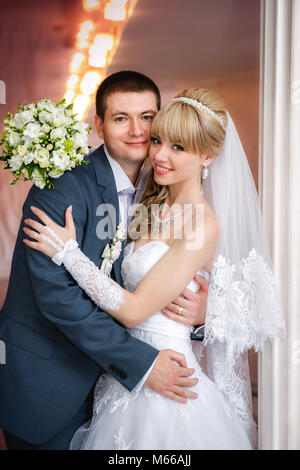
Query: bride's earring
[(204, 172)]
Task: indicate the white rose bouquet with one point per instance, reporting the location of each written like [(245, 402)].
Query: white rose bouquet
[(42, 141)]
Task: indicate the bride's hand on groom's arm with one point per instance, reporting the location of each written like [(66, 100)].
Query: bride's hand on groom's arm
[(190, 307), (169, 379), (37, 231)]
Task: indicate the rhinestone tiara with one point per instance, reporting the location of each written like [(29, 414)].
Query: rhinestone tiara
[(199, 105)]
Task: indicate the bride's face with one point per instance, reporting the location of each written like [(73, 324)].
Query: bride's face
[(172, 163)]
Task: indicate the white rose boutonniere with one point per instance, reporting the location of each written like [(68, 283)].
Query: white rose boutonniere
[(112, 252)]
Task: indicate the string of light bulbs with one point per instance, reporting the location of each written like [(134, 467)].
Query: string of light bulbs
[(96, 42)]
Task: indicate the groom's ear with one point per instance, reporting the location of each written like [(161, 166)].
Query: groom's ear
[(99, 126)]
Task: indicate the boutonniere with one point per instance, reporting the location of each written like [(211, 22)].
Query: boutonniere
[(112, 251)]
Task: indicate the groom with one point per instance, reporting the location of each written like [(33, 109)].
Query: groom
[(58, 341)]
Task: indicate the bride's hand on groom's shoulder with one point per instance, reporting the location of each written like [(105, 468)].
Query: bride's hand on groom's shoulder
[(190, 307), (49, 237)]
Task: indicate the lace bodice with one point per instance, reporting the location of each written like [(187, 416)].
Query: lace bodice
[(135, 266), (137, 263)]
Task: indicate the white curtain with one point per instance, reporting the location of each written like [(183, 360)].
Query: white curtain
[(279, 364)]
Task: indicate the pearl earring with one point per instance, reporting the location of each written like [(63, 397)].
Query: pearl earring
[(204, 172)]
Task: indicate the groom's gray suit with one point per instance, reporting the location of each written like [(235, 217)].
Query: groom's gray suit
[(58, 341)]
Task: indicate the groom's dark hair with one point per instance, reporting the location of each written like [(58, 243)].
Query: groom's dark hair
[(124, 81)]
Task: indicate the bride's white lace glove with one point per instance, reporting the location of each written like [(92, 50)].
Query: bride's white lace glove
[(59, 243), (105, 292)]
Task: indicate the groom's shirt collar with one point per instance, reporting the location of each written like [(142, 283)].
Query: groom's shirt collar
[(123, 183)]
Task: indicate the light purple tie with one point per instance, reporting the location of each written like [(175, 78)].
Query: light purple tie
[(127, 198)]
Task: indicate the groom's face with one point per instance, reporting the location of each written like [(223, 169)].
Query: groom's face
[(127, 123)]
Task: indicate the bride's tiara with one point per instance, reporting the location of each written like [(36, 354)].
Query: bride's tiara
[(199, 105)]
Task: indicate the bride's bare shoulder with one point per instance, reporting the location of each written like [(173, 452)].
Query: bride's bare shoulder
[(205, 220), (203, 233), (211, 226)]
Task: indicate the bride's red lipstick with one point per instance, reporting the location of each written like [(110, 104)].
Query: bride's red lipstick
[(161, 170)]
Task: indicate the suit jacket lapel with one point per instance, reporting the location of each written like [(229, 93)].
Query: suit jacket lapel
[(105, 181), (107, 186)]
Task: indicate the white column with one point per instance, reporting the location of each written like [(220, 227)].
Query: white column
[(279, 183)]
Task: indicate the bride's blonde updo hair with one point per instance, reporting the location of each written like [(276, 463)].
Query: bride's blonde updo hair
[(194, 129)]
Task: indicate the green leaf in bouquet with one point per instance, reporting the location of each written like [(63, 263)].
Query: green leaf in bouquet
[(72, 130), (42, 171), (70, 106), (30, 169), (19, 106), (60, 102), (15, 180)]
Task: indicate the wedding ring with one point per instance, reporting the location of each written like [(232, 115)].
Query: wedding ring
[(36, 236), (180, 310)]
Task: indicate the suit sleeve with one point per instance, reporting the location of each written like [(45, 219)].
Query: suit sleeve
[(63, 302)]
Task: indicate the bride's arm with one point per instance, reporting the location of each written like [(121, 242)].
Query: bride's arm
[(164, 282)]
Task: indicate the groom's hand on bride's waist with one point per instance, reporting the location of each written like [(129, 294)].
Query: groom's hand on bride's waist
[(170, 379), (190, 307)]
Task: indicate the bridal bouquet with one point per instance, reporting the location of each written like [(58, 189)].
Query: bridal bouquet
[(42, 141)]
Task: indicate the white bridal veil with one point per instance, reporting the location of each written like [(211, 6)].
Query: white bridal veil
[(243, 309)]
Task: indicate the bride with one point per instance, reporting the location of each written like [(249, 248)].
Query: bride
[(199, 211)]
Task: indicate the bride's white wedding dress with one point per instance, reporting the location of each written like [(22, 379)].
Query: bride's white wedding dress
[(144, 419)]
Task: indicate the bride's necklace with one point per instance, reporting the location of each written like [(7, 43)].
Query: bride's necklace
[(162, 221)]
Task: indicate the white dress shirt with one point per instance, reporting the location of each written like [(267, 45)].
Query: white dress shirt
[(126, 190)]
